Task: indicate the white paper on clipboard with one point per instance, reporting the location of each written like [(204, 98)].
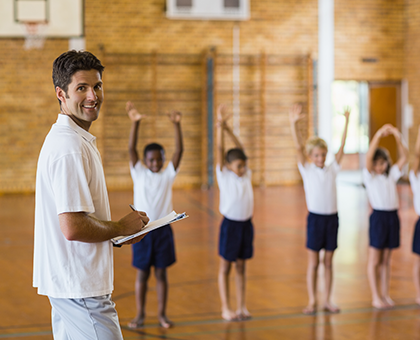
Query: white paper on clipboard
[(161, 222)]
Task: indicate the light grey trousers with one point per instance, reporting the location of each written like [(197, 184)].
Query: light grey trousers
[(93, 318)]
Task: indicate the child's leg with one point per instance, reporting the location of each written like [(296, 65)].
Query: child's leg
[(374, 262), (140, 291), (162, 295), (416, 275), (224, 270), (241, 311), (385, 273), (328, 305), (311, 277)]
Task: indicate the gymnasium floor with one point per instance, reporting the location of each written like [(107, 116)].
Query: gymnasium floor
[(276, 291)]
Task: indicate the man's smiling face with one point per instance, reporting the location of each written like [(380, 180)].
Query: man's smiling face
[(83, 99)]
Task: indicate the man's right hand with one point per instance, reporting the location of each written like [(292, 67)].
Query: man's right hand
[(133, 222)]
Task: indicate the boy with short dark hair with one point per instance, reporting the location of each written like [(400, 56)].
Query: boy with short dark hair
[(236, 205), (153, 193)]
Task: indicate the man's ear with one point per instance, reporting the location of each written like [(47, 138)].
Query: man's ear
[(61, 95)]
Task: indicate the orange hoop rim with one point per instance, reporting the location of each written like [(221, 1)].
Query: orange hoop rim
[(32, 27)]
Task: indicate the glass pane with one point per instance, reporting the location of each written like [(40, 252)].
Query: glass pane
[(350, 94), (231, 3), (33, 11), (183, 3)]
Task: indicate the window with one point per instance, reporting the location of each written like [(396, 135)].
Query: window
[(353, 94), (231, 4), (184, 3)]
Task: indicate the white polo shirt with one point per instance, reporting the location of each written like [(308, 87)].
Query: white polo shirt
[(236, 194), (320, 187), (382, 189), (70, 178), (153, 190), (415, 187)]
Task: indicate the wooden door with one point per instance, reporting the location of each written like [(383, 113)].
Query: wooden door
[(384, 108)]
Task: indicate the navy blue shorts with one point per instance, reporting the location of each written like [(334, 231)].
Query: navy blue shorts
[(157, 249), (416, 238), (321, 232), (384, 229), (235, 240)]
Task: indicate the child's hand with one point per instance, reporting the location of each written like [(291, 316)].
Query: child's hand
[(295, 114), (347, 111), (222, 116), (393, 130), (132, 112), (385, 130), (175, 116)]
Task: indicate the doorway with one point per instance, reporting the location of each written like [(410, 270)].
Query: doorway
[(385, 108), (372, 105)]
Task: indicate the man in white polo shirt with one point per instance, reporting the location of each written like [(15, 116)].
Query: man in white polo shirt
[(73, 257)]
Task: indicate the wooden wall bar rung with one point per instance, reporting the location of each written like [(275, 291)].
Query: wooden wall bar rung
[(263, 63), (153, 92), (204, 116), (310, 96)]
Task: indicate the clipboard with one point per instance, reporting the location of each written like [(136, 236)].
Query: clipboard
[(161, 222)]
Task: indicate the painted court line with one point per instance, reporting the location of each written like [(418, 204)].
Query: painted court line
[(178, 336), (24, 335)]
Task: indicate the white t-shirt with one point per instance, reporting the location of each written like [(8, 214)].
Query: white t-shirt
[(236, 194), (415, 187), (382, 189), (70, 178), (153, 190), (320, 187)]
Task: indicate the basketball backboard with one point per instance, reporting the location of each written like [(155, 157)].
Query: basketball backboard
[(61, 18)]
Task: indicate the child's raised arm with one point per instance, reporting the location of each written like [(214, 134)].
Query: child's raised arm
[(220, 143), (175, 118), (135, 118), (296, 115), (234, 138), (402, 149), (416, 163), (374, 143), (340, 153), (222, 117)]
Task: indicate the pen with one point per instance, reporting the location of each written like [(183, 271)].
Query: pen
[(134, 209)]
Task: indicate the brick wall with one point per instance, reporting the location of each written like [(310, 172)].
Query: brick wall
[(141, 26), (369, 29), (28, 106)]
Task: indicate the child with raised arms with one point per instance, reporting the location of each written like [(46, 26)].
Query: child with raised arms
[(415, 187), (380, 178), (236, 205), (153, 193), (319, 181)]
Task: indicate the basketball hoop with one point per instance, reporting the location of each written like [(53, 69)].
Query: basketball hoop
[(35, 34)]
